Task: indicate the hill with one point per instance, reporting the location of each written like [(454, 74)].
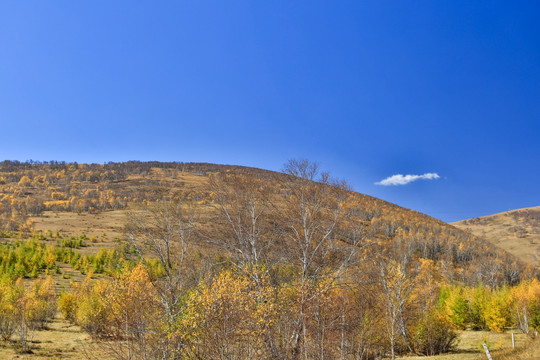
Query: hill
[(516, 231), (73, 198), (183, 260)]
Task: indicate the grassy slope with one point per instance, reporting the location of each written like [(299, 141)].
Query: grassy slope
[(107, 226), (516, 231)]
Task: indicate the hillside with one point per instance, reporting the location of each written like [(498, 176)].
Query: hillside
[(73, 198), (174, 260), (516, 231)]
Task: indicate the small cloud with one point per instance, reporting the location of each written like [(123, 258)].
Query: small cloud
[(399, 179)]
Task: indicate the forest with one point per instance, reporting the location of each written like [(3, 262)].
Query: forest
[(247, 264)]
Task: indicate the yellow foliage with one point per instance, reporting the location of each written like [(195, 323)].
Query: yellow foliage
[(497, 312), (242, 302), (25, 181), (57, 204), (67, 306), (55, 195)]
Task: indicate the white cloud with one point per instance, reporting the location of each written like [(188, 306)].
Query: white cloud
[(399, 179)]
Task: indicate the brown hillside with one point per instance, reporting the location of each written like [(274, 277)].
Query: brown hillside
[(516, 231), (92, 198)]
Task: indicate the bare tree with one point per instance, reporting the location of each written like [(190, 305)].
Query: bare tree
[(313, 216), (244, 229), (397, 284), (164, 231)]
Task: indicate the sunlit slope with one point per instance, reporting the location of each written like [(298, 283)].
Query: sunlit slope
[(516, 231), (94, 198)]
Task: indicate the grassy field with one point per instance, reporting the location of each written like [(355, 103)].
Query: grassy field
[(104, 227), (65, 341), (60, 341), (500, 346)]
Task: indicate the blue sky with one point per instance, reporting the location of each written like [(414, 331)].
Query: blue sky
[(369, 89)]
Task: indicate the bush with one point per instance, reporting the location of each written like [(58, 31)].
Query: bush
[(92, 312), (66, 305), (434, 335), (8, 322)]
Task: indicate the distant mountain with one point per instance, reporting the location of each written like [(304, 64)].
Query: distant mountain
[(516, 231)]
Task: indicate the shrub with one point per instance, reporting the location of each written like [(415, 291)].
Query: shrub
[(67, 306), (434, 335)]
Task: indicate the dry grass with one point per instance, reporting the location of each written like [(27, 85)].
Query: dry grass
[(105, 227), (499, 345), (529, 352), (65, 341), (500, 230), (108, 225), (60, 341)]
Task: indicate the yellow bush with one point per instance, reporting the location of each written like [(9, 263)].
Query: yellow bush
[(67, 306)]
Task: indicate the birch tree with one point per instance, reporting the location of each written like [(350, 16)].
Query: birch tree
[(312, 214), (397, 286), (165, 231)]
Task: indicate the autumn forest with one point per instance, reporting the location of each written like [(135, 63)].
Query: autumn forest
[(229, 262)]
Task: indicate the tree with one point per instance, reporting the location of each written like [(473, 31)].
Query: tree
[(477, 298), (397, 285), (26, 314), (165, 231), (245, 229), (46, 300), (433, 334), (498, 310), (457, 307), (230, 314), (525, 299), (8, 320), (312, 214), (134, 316)]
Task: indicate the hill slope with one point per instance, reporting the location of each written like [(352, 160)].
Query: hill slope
[(74, 198), (228, 237), (516, 231)]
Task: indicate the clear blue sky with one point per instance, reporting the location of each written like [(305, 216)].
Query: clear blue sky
[(369, 89)]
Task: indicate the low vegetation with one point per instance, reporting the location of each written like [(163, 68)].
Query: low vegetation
[(24, 308)]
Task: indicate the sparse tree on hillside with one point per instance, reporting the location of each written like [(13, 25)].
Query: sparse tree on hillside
[(165, 231), (311, 215), (244, 227)]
